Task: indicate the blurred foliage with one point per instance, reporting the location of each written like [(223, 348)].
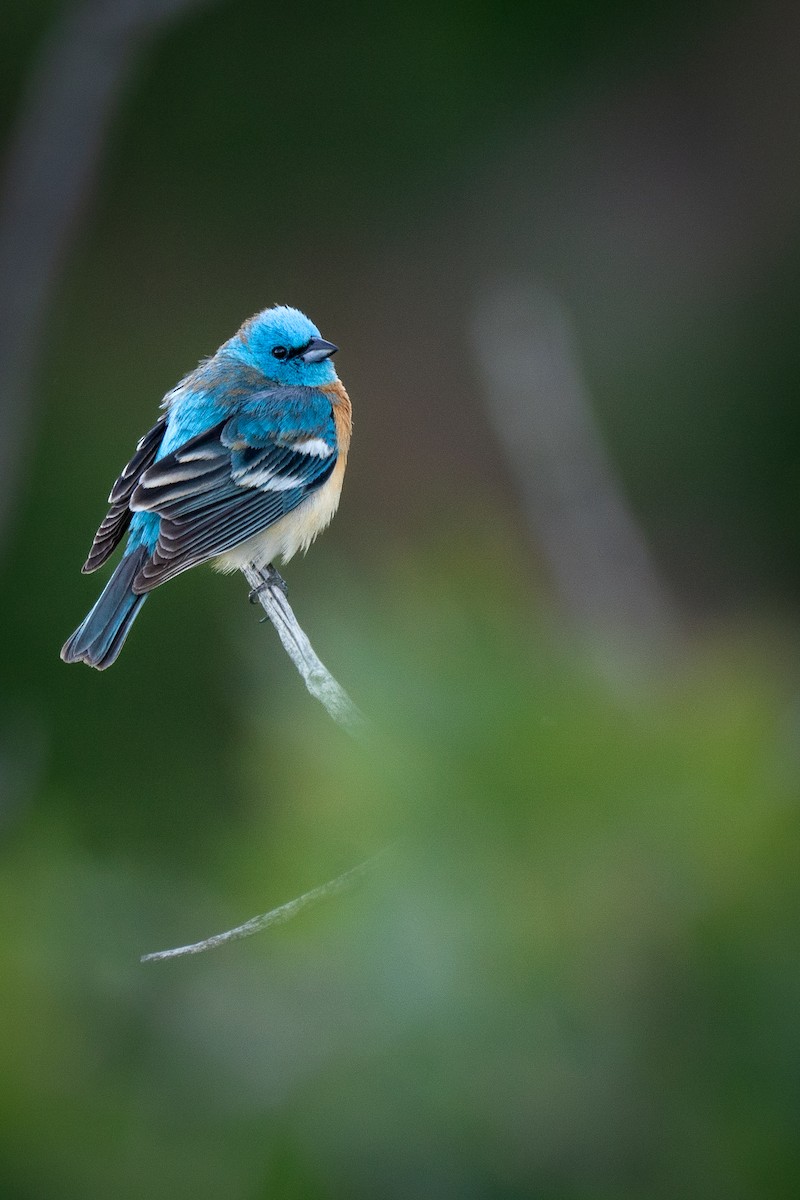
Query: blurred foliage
[(577, 976)]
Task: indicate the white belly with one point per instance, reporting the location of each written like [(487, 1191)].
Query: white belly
[(296, 531)]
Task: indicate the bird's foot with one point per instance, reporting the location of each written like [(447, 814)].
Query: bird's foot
[(272, 578)]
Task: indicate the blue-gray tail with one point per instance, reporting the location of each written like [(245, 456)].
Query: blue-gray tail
[(99, 639)]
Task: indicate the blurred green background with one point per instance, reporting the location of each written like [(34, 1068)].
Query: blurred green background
[(577, 976)]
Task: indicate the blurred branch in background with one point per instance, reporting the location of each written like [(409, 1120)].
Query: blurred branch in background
[(574, 502), (74, 89)]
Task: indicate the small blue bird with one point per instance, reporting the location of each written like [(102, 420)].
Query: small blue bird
[(245, 465)]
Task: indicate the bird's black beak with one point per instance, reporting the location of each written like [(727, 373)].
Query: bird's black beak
[(318, 350)]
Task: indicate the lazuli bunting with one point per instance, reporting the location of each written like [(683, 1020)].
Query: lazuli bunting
[(244, 466)]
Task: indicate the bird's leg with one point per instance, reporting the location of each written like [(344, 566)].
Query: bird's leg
[(272, 578)]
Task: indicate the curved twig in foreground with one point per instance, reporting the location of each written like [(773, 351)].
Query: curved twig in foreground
[(276, 916), (268, 589)]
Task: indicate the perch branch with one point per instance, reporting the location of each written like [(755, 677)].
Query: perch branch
[(276, 916), (268, 588)]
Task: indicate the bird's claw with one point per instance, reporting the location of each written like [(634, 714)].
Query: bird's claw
[(272, 578)]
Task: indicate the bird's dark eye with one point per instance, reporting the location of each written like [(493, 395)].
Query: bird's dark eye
[(280, 352)]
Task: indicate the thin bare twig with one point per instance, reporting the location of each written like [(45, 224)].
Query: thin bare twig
[(267, 587), (276, 916), (316, 676)]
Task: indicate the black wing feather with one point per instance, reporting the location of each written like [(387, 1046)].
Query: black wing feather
[(118, 517)]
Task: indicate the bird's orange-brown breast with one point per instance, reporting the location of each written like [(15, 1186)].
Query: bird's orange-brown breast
[(342, 416)]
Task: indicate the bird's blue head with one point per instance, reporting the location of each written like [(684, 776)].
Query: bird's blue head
[(285, 346)]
